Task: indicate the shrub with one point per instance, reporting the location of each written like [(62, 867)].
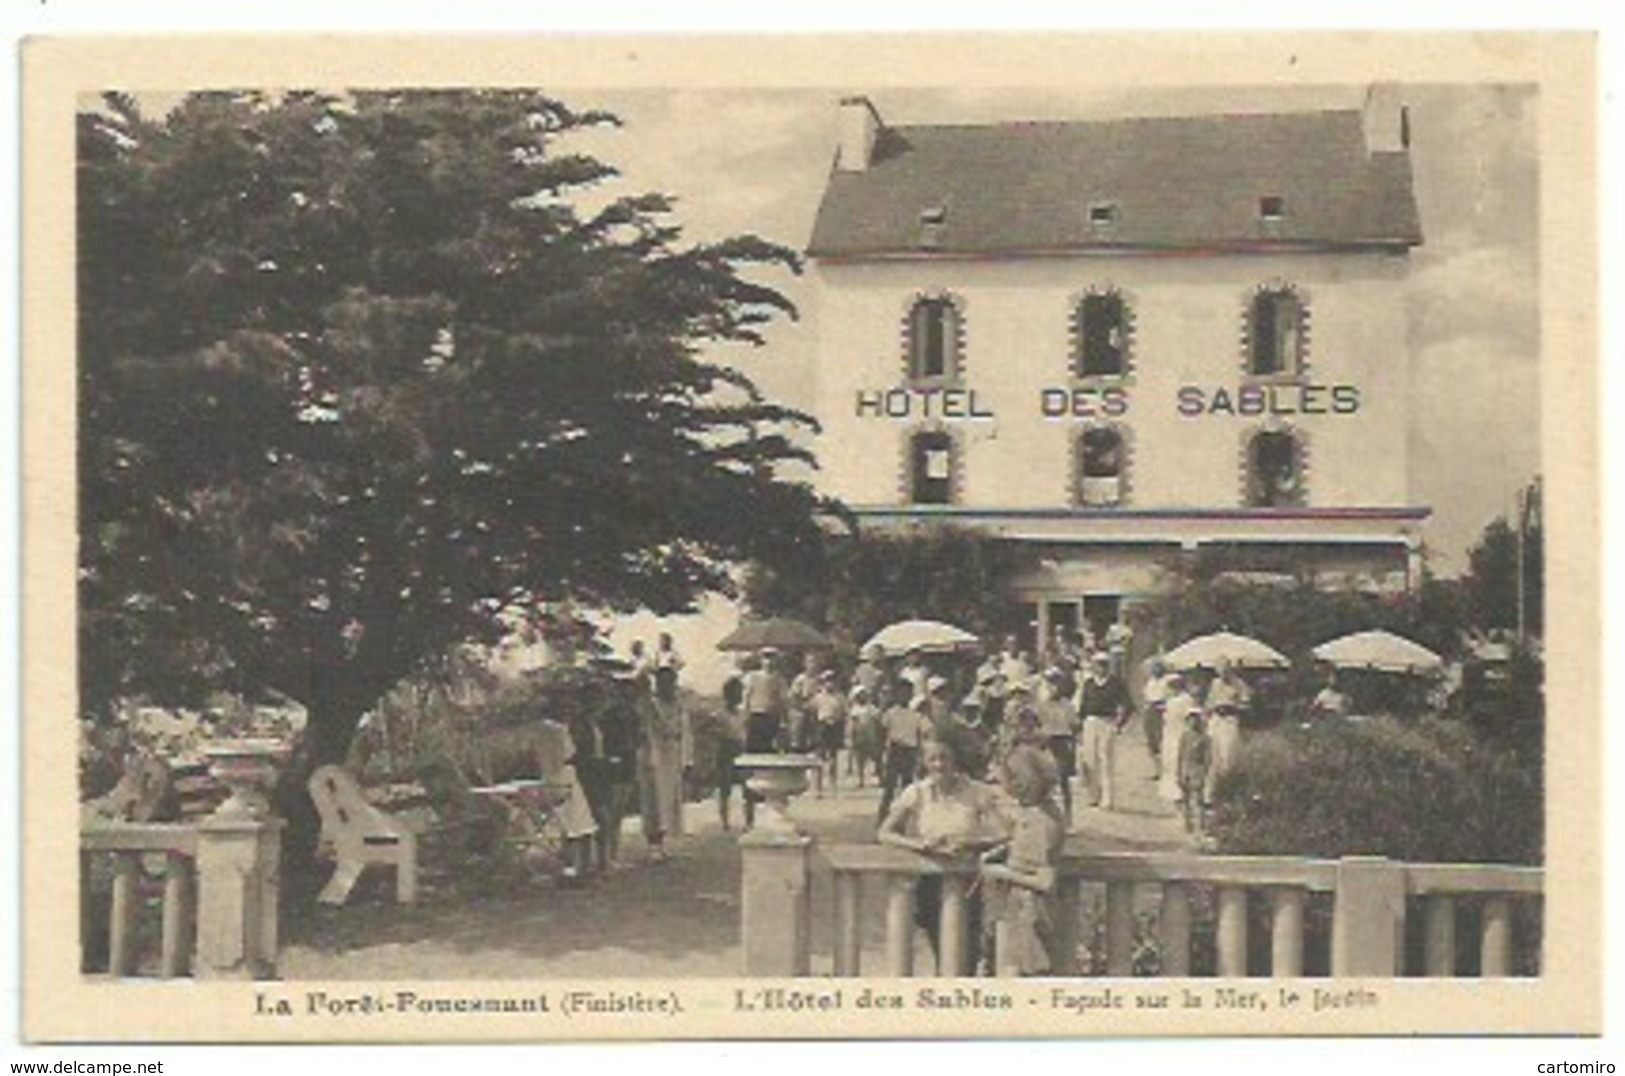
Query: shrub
[(1430, 791)]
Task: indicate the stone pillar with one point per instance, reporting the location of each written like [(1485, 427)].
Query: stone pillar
[(1368, 921), (1413, 564), (776, 903), (237, 907)]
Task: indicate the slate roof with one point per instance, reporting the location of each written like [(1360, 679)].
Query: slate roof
[(1177, 184)]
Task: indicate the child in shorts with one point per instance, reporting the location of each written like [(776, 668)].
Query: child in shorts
[(1194, 759)]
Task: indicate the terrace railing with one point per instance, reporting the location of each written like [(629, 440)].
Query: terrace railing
[(1173, 896), (218, 899)]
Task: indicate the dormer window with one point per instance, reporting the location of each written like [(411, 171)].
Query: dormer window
[(1271, 207), (1102, 214), (933, 222)]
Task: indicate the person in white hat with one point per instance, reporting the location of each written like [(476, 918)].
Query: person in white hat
[(864, 732)]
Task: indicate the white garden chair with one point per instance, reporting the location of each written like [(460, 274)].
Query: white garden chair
[(361, 836)]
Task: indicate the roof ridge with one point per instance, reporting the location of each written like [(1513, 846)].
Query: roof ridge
[(1205, 117)]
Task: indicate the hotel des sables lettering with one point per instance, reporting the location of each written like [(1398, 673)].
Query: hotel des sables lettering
[(1126, 341)]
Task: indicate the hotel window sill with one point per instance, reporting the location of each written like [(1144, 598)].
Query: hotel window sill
[(1293, 377), (1082, 380), (938, 381)]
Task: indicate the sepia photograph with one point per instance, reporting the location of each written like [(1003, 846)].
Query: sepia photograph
[(538, 542)]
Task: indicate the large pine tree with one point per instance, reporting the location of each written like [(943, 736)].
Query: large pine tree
[(359, 381)]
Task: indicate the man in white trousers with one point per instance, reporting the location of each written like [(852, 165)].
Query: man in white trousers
[(1103, 702)]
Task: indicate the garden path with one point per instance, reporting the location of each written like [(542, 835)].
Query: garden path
[(672, 919)]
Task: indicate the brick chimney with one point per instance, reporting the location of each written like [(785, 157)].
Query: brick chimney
[(860, 127), (1385, 119)]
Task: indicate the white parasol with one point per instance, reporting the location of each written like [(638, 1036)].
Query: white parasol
[(926, 636), (1209, 651), (1382, 651)]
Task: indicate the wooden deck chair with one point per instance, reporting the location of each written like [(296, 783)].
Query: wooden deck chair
[(361, 835)]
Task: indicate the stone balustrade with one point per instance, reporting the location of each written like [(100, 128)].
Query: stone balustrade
[(219, 903), (1370, 899)]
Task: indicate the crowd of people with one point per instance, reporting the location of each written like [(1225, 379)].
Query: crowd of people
[(875, 720), (627, 746), (989, 773)]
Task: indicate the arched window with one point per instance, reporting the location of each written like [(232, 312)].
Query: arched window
[(1275, 333), (1101, 466), (1274, 469), (1101, 335), (933, 339), (931, 468)]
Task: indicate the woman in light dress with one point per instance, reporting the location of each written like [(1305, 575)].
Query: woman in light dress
[(555, 759), (660, 755)]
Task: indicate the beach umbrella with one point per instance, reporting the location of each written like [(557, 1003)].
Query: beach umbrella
[(1382, 651), (1208, 651), (926, 636), (777, 633)]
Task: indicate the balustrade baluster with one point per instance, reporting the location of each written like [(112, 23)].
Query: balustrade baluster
[(1286, 933), (1174, 929), (1120, 928), (848, 928), (177, 940), (1066, 926), (121, 958), (1439, 944), (953, 944), (1005, 965), (1232, 931), (900, 927), (1495, 961)]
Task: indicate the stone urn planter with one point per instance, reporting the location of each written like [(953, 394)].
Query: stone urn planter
[(777, 779), (248, 768)]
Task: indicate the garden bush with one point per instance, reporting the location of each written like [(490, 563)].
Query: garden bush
[(1430, 791)]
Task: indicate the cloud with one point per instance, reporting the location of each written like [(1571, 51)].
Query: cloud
[(1475, 437), (1464, 290)]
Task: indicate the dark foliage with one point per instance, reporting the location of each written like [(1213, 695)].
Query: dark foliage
[(864, 581), (358, 383), (1433, 791)]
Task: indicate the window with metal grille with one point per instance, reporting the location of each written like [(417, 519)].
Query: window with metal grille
[(1274, 469), (1101, 459), (931, 468)]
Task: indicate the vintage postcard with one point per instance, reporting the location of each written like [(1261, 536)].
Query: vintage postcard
[(534, 539)]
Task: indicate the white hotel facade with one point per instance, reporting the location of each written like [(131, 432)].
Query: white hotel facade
[(1125, 342)]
